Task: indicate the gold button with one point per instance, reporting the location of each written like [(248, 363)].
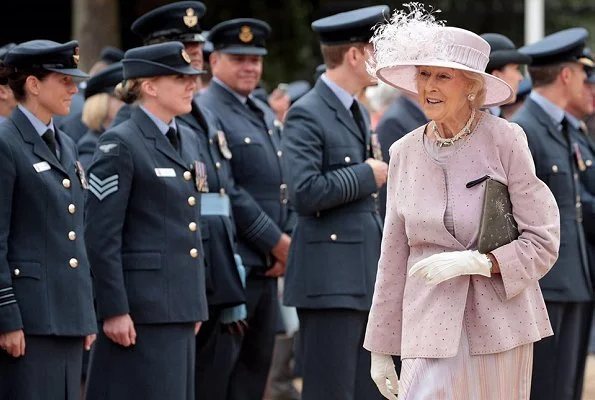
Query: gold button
[(192, 226), (554, 168), (193, 253), (71, 208), (271, 131), (74, 263), (347, 159), (187, 175), (217, 164), (17, 272), (72, 235), (192, 201), (247, 140), (222, 191), (588, 163), (334, 237), (66, 183)]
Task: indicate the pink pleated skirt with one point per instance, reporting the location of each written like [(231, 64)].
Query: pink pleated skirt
[(499, 376)]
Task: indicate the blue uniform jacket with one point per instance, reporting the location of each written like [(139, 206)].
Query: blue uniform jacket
[(569, 279), (336, 242), (141, 226), (45, 280), (260, 207), (86, 147)]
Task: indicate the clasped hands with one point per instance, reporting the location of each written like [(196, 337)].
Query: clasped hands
[(443, 266)]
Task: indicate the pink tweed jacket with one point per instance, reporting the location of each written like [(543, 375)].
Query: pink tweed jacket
[(414, 320)]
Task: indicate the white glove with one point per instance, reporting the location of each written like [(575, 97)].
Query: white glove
[(442, 266), (383, 369)]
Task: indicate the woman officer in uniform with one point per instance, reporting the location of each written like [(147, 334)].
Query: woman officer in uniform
[(141, 227), (46, 303)]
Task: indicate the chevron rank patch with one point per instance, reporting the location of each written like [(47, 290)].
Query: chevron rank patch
[(102, 188), (110, 148)]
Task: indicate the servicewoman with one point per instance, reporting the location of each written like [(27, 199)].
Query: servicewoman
[(46, 302), (99, 109), (144, 244), (263, 217)]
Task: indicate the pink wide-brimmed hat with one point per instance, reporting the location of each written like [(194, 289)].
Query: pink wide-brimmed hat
[(414, 38)]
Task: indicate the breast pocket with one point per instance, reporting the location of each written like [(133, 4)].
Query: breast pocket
[(336, 258), (144, 280), (249, 156), (558, 176)]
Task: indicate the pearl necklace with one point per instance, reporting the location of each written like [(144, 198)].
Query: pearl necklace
[(442, 142)]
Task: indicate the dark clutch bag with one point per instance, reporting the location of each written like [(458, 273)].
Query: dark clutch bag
[(497, 226)]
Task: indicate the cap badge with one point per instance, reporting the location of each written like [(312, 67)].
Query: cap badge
[(246, 34), (76, 56), (185, 56), (190, 19), (587, 62)]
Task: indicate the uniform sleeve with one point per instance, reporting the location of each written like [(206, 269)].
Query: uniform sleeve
[(384, 330), (110, 179), (10, 315), (253, 224), (310, 188), (526, 260)]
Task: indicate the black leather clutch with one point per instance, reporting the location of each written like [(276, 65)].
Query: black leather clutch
[(497, 226)]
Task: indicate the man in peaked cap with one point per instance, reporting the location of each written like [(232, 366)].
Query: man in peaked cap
[(7, 100), (558, 75), (335, 170), (255, 142), (505, 61)]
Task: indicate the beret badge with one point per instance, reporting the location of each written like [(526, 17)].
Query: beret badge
[(185, 56), (246, 34), (190, 19), (76, 56)]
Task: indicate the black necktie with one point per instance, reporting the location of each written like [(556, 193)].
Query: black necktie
[(172, 135), (252, 106), (564, 130), (358, 117), (49, 137)]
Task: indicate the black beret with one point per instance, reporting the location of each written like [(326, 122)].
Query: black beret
[(159, 59), (104, 81), (240, 36), (48, 55), (355, 26), (503, 52), (176, 21)]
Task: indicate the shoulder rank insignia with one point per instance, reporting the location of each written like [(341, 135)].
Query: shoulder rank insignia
[(102, 188), (223, 147), (109, 148)]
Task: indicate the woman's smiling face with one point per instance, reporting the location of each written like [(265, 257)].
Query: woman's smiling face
[(442, 92)]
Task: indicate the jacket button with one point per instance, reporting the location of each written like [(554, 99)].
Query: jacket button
[(74, 263), (279, 153), (191, 201), (210, 141), (347, 159), (578, 204), (72, 235), (222, 191), (217, 164), (375, 195), (192, 226), (187, 175), (66, 183), (333, 236), (247, 140), (270, 131), (17, 272), (71, 208), (554, 168), (193, 253), (588, 163)]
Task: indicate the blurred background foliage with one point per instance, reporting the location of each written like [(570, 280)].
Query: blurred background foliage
[(293, 48)]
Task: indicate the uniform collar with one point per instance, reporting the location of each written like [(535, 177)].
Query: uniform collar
[(343, 95), (573, 121), (241, 99), (39, 126), (162, 126), (555, 112)]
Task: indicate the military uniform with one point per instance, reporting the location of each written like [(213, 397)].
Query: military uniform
[(262, 214), (145, 246), (559, 360), (336, 245), (45, 280)]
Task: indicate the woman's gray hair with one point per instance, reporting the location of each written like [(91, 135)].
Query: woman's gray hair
[(477, 88)]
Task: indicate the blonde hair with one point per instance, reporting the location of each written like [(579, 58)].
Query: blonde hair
[(95, 111), (128, 91), (477, 87)]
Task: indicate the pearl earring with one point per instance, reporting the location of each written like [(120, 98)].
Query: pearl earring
[(471, 97)]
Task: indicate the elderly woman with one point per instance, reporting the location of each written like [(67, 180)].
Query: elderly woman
[(464, 323)]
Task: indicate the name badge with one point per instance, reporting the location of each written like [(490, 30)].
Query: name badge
[(42, 166), (165, 172)]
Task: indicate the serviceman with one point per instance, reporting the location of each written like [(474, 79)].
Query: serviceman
[(558, 75), (334, 171), (255, 144)]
